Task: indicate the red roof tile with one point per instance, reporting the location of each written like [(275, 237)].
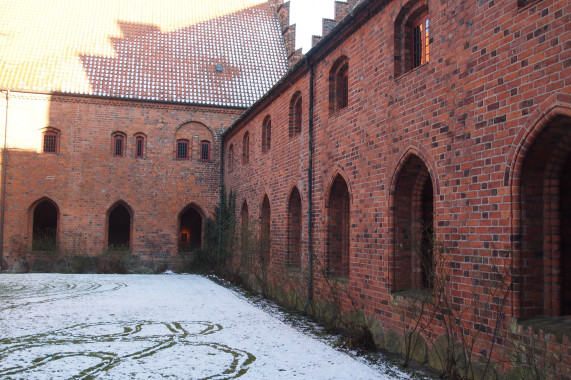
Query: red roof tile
[(165, 50)]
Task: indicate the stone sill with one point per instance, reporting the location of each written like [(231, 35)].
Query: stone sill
[(557, 326)]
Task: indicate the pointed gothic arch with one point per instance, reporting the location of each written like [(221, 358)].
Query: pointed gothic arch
[(338, 228), (294, 228), (265, 231), (119, 226), (44, 215), (190, 225), (413, 224)]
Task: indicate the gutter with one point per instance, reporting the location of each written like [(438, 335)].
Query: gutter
[(310, 193), (3, 191)]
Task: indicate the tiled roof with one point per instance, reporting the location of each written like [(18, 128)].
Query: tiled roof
[(164, 50)]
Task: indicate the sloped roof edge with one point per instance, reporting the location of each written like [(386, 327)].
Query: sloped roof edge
[(119, 98), (313, 54)]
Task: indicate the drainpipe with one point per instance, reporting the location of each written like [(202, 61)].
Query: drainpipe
[(220, 187), (4, 170), (310, 194)]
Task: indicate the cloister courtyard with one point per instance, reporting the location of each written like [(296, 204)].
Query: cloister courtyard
[(158, 326)]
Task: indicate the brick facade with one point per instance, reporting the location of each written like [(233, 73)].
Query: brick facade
[(473, 144), (85, 180)]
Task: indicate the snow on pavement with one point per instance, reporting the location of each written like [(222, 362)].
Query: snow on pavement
[(150, 327)]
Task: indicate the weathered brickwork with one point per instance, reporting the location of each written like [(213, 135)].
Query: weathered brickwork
[(85, 180), (473, 143)]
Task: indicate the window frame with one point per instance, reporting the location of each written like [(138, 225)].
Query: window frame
[(267, 134), (246, 148), (296, 114), (118, 136), (339, 85), (140, 140), (423, 25), (231, 158), (203, 144), (179, 142), (47, 134)]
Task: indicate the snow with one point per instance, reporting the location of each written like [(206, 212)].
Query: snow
[(154, 326)]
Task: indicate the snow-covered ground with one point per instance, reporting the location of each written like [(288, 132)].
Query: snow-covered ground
[(154, 326)]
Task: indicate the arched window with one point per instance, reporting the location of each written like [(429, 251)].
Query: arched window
[(339, 85), (245, 233), (204, 150), (338, 229), (294, 230), (50, 141), (295, 114), (231, 158), (246, 148), (190, 229), (266, 134), (140, 145), (545, 203), (414, 226), (118, 147), (44, 226), (182, 148), (412, 37), (119, 227), (265, 231)]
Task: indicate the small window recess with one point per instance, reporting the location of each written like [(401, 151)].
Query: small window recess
[(182, 149), (205, 150), (118, 148), (50, 141)]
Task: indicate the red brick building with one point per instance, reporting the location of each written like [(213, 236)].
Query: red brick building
[(419, 145), (416, 131), (112, 119)]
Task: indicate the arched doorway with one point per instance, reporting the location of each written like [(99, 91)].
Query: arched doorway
[(545, 204), (294, 229), (119, 227), (190, 230), (44, 226), (265, 231), (413, 226), (338, 229)]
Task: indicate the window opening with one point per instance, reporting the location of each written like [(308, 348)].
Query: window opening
[(545, 207), (420, 45), (414, 227), (205, 150), (245, 233), (246, 148), (295, 116), (231, 158), (265, 238), (182, 149), (140, 147), (339, 85), (338, 230), (294, 230), (266, 134), (50, 142), (118, 148)]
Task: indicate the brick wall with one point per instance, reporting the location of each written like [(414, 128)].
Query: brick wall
[(85, 180), (485, 121)]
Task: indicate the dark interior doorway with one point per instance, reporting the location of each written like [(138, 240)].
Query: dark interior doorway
[(119, 234), (44, 230), (190, 234)]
